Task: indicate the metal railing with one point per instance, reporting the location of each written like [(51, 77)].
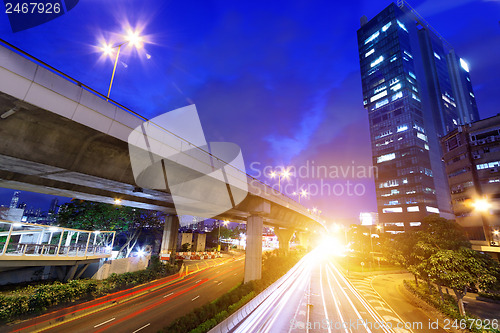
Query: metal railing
[(26, 239)]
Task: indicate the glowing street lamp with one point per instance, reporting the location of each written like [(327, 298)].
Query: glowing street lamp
[(481, 205), (285, 174), (132, 39)]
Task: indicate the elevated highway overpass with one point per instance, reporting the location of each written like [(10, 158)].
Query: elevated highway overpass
[(63, 138)]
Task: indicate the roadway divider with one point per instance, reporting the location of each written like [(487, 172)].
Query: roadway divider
[(191, 255), (57, 317)]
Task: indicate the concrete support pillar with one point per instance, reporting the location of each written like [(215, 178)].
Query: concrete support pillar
[(169, 239), (303, 239), (284, 236), (253, 257), (71, 273)]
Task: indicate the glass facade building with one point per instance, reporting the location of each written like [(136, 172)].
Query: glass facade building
[(410, 79)]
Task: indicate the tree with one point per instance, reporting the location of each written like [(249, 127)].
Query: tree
[(185, 247), (458, 269), (128, 221), (440, 253), (359, 238)]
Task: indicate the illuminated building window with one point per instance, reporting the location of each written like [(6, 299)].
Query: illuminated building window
[(488, 165), (378, 96), (413, 209), (437, 55), (381, 103), (377, 61), (383, 134), (401, 25), (402, 128), (464, 65), (415, 224), (392, 210), (432, 209), (386, 157), (396, 96), (422, 136), (369, 52), (408, 54), (385, 27), (396, 87), (372, 37)]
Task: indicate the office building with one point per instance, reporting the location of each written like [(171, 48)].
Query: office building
[(15, 200), (472, 159), (415, 89)]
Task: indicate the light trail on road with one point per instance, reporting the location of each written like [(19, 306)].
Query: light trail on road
[(335, 305)]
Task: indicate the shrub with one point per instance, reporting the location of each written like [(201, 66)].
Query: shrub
[(37, 299)]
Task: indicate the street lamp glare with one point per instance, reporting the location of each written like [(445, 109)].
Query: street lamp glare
[(496, 232), (286, 174), (481, 205), (272, 174), (107, 49), (134, 39)]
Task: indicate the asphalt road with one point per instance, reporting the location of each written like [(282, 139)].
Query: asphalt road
[(156, 309), (317, 297)]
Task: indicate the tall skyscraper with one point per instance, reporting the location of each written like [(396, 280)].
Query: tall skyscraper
[(53, 206), (415, 90), (14, 200)]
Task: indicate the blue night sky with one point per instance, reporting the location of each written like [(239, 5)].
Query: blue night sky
[(279, 78)]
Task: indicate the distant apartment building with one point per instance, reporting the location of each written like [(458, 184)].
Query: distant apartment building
[(472, 159), (415, 89), (368, 218)]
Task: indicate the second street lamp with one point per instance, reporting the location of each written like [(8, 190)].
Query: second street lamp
[(285, 174)]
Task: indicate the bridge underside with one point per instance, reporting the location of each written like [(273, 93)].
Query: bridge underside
[(47, 153)]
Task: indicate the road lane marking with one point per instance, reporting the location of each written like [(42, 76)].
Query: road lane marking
[(197, 281), (137, 330), (168, 295), (235, 273), (107, 321), (323, 296), (219, 283), (195, 298)]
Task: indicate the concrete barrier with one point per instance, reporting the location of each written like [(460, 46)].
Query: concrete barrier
[(120, 266)]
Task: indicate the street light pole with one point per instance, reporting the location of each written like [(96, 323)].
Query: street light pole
[(218, 238), (114, 69)]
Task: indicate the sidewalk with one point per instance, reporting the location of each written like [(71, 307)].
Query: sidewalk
[(385, 292)]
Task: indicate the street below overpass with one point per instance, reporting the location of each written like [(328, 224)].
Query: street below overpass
[(156, 309)]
